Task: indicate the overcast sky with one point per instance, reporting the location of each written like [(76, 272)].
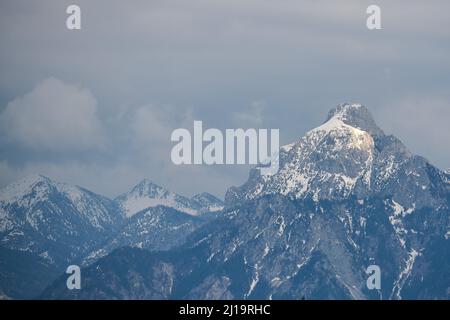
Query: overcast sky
[(96, 107)]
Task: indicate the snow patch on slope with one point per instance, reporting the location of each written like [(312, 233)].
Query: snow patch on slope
[(134, 204)]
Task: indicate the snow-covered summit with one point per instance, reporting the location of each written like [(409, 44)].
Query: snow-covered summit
[(147, 194), (20, 188), (347, 155), (54, 220), (357, 116), (147, 188), (329, 161), (35, 189)]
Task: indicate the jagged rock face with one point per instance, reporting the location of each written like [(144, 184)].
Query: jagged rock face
[(278, 248), (346, 196)]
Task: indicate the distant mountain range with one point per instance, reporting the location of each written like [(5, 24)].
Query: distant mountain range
[(46, 226), (346, 196), (147, 194)]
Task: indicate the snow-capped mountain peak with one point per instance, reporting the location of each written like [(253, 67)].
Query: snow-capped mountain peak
[(19, 189), (147, 194), (347, 154), (147, 188), (343, 132), (35, 189), (53, 220), (357, 116), (330, 161)]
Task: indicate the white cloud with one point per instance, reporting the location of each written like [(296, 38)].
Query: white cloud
[(54, 116)]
